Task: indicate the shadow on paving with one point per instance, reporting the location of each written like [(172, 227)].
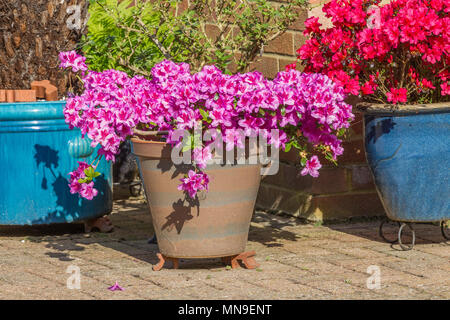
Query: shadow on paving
[(57, 229), (133, 228)]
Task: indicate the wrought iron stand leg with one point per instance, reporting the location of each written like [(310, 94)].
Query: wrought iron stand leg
[(380, 231), (403, 246)]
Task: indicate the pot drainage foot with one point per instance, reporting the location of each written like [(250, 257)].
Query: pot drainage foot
[(247, 259), (162, 261), (102, 224)]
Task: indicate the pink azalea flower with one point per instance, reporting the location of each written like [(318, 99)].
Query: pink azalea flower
[(194, 182), (70, 59), (201, 157), (312, 167), (115, 287), (88, 191)]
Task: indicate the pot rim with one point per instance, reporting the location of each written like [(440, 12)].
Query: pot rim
[(138, 140), (368, 108)]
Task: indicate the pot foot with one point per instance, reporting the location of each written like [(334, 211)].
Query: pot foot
[(247, 259), (162, 261), (102, 224)]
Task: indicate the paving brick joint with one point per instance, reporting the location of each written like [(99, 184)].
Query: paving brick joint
[(298, 261)]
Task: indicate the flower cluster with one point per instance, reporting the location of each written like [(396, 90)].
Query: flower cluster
[(81, 183), (394, 53), (194, 182), (304, 111), (73, 60)]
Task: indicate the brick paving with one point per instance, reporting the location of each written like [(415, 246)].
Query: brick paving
[(298, 261)]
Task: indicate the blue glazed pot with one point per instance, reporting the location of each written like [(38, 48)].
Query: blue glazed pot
[(409, 155), (37, 151)]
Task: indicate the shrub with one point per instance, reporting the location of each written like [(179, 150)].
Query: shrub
[(132, 38), (395, 53)]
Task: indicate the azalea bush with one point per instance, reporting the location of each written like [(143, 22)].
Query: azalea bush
[(395, 53), (295, 110)]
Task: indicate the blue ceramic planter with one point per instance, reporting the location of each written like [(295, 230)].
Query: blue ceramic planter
[(409, 155), (37, 151)]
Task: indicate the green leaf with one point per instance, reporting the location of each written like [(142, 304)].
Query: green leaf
[(303, 161), (288, 146), (189, 144), (341, 132), (186, 148), (89, 172), (204, 114)]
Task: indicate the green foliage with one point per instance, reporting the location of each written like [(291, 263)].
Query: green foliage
[(111, 42), (90, 174), (133, 38)]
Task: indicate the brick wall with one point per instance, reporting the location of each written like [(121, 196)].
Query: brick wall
[(281, 51), (340, 192)]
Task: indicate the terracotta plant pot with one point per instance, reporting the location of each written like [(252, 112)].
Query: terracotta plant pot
[(216, 223)]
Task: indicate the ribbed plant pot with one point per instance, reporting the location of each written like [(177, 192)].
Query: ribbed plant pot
[(408, 151), (216, 223), (37, 150)]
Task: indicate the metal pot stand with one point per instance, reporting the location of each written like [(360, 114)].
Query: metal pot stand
[(445, 230), (246, 258)]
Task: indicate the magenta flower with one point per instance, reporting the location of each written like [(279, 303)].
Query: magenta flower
[(201, 157), (115, 287), (194, 182), (70, 59), (312, 167), (88, 191), (80, 183)]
